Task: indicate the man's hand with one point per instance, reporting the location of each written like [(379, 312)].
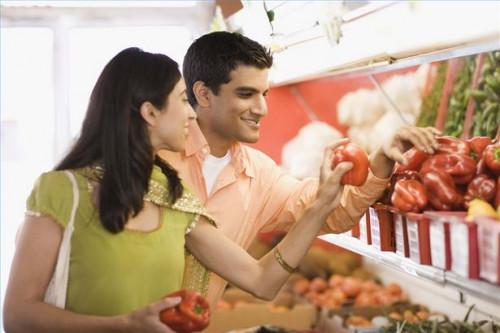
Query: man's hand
[(382, 160)]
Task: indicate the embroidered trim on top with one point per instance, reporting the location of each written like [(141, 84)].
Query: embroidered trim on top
[(192, 224), (32, 213), (159, 195)]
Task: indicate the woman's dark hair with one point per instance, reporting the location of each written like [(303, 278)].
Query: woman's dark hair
[(115, 135), (213, 56)]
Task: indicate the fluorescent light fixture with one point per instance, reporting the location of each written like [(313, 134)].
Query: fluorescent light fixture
[(66, 3)]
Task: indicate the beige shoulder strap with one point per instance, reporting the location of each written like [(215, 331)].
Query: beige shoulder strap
[(56, 291)]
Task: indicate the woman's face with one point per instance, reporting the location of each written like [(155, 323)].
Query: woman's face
[(171, 128)]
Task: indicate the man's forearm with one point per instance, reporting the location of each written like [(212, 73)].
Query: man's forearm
[(355, 201)]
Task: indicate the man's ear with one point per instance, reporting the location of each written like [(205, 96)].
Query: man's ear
[(201, 93), (149, 113)]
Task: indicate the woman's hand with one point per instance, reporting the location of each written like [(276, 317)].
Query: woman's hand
[(147, 319), (330, 189)]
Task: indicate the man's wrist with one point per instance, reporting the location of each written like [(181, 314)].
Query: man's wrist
[(381, 165)]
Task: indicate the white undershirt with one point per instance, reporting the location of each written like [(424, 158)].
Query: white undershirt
[(212, 166)]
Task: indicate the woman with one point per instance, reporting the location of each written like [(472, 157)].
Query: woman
[(135, 218)]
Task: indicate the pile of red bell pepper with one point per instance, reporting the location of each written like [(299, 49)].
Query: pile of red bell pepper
[(458, 172)]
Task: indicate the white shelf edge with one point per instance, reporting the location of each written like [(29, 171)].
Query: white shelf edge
[(391, 62), (477, 288)]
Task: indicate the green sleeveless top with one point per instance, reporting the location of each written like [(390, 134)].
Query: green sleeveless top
[(111, 274)]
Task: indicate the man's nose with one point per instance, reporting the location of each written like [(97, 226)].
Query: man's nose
[(261, 107)]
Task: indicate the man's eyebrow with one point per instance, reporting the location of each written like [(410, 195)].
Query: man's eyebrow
[(183, 92), (248, 89)]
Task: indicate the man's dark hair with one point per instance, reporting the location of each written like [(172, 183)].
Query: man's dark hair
[(213, 56)]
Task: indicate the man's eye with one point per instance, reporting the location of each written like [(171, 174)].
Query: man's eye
[(245, 95)]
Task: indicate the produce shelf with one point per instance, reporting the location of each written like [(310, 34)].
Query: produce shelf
[(476, 288), (394, 61)]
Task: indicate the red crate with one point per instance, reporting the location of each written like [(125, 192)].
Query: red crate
[(418, 238), (400, 233), (382, 228), (464, 246), (489, 248), (365, 233), (439, 236), (355, 231)]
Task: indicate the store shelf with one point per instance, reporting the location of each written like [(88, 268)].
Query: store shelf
[(475, 288), (390, 62)]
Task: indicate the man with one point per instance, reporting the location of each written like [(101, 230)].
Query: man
[(243, 189)]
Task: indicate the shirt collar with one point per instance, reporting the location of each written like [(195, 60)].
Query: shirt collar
[(197, 145)]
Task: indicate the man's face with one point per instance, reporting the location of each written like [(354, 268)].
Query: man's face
[(236, 111)]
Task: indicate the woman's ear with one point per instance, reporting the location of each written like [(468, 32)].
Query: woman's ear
[(149, 113), (201, 93)]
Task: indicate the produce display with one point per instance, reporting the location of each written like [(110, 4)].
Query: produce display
[(415, 323), (459, 99), (339, 291), (459, 172), (487, 98), (191, 315), (430, 103), (371, 118)]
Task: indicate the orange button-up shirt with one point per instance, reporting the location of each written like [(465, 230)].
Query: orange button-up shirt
[(252, 194)]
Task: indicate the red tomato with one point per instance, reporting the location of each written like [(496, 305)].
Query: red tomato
[(357, 156), (318, 285)]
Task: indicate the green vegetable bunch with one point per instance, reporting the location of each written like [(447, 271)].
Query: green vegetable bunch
[(443, 325), (459, 98), (487, 98), (430, 103)]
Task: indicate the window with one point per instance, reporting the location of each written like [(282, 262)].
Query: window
[(91, 48), (27, 125)]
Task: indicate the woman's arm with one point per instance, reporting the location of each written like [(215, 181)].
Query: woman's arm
[(33, 265), (264, 278)]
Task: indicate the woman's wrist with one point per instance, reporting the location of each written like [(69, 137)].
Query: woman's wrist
[(122, 324), (320, 209)]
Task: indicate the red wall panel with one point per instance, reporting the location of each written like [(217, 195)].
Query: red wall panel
[(286, 114)]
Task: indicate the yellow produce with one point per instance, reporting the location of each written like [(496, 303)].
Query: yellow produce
[(480, 207)]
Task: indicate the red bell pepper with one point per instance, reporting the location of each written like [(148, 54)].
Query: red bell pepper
[(492, 158), (452, 145), (497, 197), (415, 158), (409, 196), (477, 145), (481, 187), (441, 190), (191, 315), (407, 174), (461, 167), (357, 156)]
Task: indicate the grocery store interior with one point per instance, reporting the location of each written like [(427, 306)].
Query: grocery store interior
[(355, 69)]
